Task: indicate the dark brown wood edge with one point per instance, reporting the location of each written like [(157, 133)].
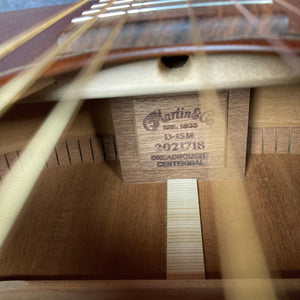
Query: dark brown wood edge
[(140, 289), (75, 61)]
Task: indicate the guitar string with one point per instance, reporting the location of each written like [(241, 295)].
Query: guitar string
[(232, 200), (19, 182), (294, 9), (286, 54), (170, 7), (287, 5), (15, 42), (236, 195), (14, 89)]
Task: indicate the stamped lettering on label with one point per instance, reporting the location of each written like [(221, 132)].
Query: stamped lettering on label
[(181, 133)]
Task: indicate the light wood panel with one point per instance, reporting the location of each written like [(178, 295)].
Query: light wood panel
[(131, 146), (184, 237), (275, 106)]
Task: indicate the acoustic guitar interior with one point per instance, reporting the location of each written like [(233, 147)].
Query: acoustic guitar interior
[(91, 217), (82, 221)]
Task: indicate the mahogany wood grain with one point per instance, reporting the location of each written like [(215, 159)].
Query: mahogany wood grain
[(97, 146), (62, 153), (139, 289), (74, 151), (86, 149), (82, 221), (109, 147), (272, 183)]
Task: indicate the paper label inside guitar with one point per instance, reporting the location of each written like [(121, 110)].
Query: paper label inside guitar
[(181, 133)]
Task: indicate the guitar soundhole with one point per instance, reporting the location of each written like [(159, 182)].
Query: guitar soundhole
[(174, 62)]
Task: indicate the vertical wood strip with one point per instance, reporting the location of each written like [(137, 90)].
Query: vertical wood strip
[(184, 238), (269, 139), (109, 147), (96, 143), (295, 141), (86, 149), (237, 133), (283, 137), (116, 148), (62, 153), (74, 151), (256, 140)]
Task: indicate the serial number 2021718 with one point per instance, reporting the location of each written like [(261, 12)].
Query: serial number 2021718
[(183, 146)]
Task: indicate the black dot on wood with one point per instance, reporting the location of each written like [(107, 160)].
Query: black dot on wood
[(174, 62)]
